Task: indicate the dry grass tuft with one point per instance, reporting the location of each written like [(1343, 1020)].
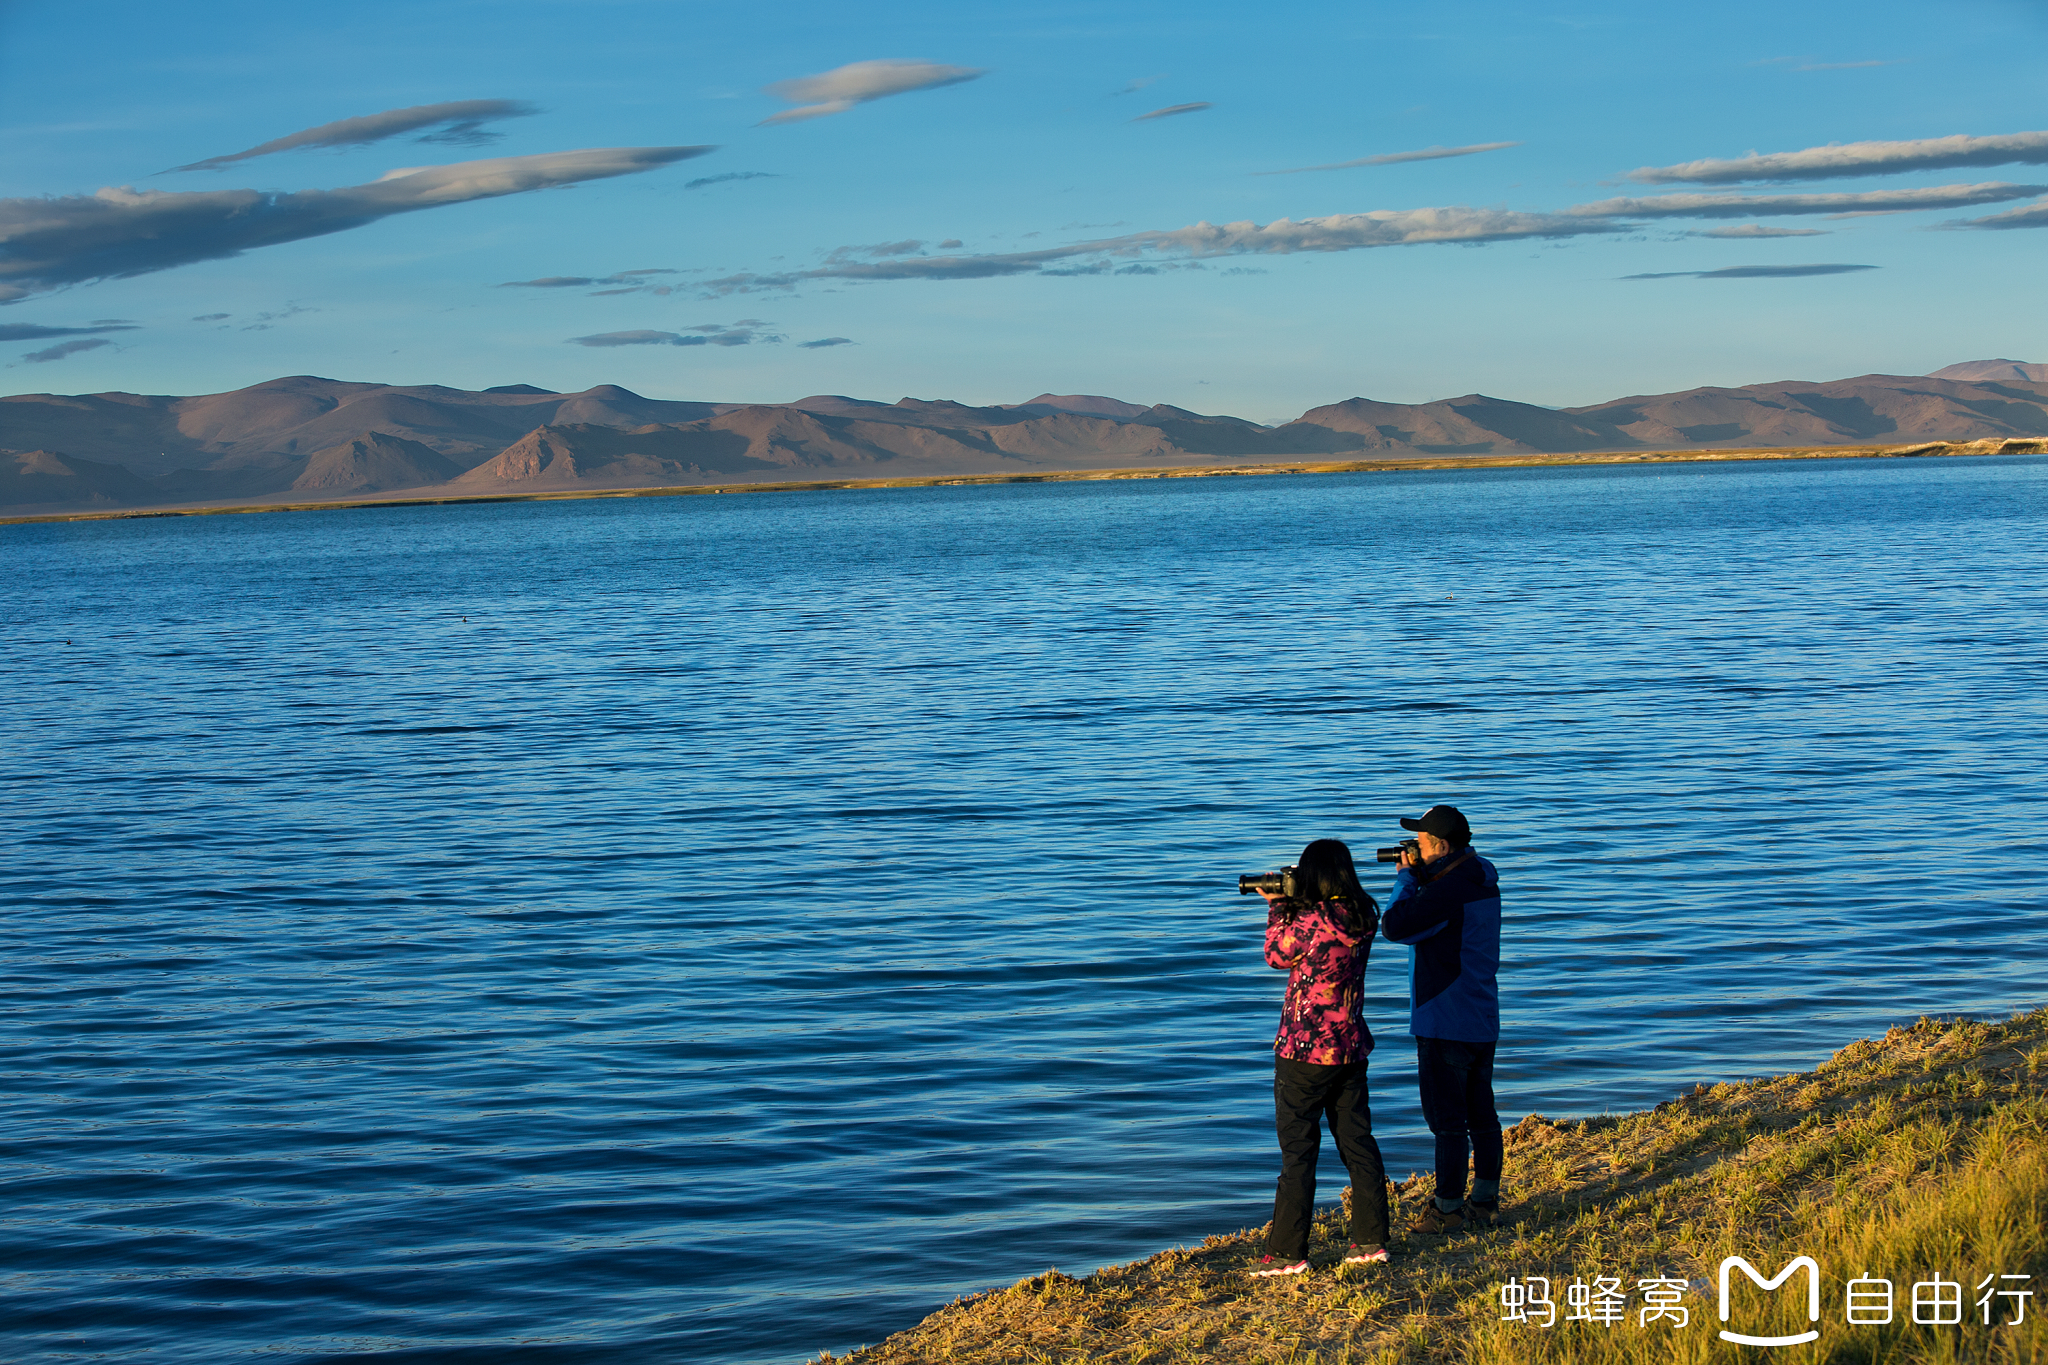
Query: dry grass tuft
[(1918, 1152)]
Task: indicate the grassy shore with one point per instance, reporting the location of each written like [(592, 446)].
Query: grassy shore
[(1899, 1157), (344, 502)]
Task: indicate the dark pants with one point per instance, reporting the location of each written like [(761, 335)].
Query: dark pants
[(1304, 1094), (1457, 1103)]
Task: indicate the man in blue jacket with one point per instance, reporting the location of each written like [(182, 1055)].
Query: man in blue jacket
[(1446, 906)]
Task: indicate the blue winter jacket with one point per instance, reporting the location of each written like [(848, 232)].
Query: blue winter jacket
[(1453, 924)]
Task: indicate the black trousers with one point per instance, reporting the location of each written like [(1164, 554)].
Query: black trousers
[(1457, 1103), (1304, 1095)]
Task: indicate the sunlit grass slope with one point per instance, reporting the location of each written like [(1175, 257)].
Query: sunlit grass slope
[(1917, 1153)]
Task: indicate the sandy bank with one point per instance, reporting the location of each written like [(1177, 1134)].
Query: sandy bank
[(427, 498)]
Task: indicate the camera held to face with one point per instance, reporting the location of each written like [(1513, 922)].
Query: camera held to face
[(1279, 883), (1393, 855)]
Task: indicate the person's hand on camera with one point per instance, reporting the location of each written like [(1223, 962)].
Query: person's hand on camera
[(1424, 849)]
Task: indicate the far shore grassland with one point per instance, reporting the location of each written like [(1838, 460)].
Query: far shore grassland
[(1907, 1157), (1447, 462)]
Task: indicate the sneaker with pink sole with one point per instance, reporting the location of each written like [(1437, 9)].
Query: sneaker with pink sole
[(1268, 1266)]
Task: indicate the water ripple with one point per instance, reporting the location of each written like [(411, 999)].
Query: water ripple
[(716, 929)]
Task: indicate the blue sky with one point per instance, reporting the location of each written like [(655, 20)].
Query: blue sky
[(1019, 140)]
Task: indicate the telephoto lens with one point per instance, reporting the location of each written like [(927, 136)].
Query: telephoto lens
[(1280, 883), (1393, 855)]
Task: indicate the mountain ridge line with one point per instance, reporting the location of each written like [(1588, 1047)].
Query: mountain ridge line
[(303, 437)]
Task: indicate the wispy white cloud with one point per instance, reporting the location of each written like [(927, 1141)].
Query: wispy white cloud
[(2031, 216), (62, 350), (622, 282), (552, 282), (1398, 158), (1170, 110), (1754, 230), (457, 121), (703, 181), (1351, 231), (265, 321), (1137, 84), (908, 246), (1773, 205), (1146, 253), (121, 232), (637, 337), (745, 332), (33, 331), (1857, 158), (1754, 272), (838, 90), (1339, 232)]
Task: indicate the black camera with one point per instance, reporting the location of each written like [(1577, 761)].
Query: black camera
[(1393, 855), (1280, 883)]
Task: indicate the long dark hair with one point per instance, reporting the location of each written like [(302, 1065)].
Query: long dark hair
[(1325, 873)]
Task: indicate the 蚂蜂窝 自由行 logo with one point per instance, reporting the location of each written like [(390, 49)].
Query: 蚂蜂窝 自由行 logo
[(2000, 1298)]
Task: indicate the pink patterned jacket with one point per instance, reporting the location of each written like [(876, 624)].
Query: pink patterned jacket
[(1320, 1021)]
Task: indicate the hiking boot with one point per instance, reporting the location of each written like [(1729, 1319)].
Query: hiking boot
[(1359, 1255), (1482, 1213), (1267, 1266), (1435, 1222)]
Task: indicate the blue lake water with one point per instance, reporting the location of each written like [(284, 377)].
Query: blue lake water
[(720, 928)]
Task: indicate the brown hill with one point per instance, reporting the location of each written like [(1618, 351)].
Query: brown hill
[(300, 414), (1093, 405), (46, 480), (1994, 369), (763, 441), (585, 456), (1844, 412), (305, 434), (838, 404), (1472, 425), (372, 463)]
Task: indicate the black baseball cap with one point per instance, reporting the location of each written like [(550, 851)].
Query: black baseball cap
[(1445, 822)]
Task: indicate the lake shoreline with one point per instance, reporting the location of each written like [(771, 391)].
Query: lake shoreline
[(1933, 449), (1874, 1161)]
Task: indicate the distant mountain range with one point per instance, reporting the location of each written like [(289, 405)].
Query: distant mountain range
[(305, 439)]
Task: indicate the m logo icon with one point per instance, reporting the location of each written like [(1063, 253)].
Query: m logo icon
[(1812, 1298)]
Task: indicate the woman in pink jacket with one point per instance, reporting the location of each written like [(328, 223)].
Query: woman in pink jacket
[(1321, 936)]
